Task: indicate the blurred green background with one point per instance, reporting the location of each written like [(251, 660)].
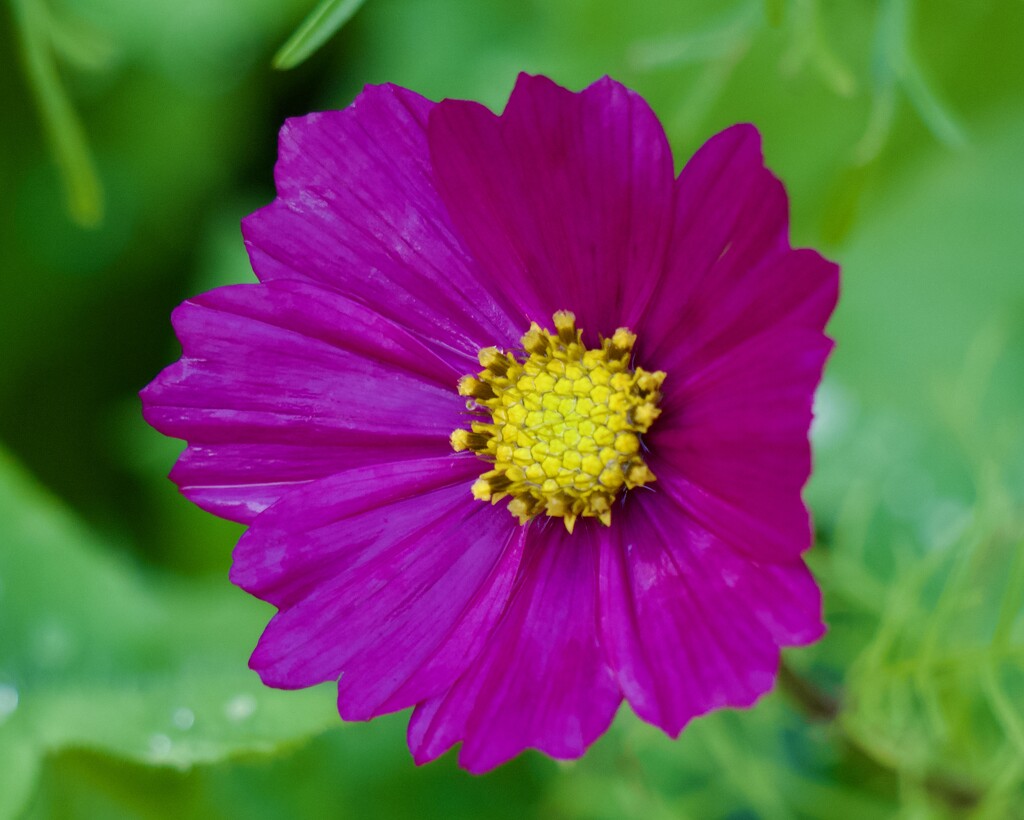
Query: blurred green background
[(137, 134)]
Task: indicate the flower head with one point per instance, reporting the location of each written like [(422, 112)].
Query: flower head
[(456, 308), (564, 425)]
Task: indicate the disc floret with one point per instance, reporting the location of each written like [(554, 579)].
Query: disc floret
[(564, 426)]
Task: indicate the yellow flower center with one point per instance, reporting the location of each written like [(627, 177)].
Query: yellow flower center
[(565, 423)]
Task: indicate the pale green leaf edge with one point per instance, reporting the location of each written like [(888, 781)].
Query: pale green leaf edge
[(83, 190), (321, 24)]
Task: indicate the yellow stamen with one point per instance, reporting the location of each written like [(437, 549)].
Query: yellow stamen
[(565, 424)]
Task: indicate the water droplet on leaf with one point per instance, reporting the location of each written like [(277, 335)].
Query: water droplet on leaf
[(183, 718), (8, 701), (160, 746), (240, 707)]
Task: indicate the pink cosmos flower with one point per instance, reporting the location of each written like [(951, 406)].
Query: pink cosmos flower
[(456, 308)]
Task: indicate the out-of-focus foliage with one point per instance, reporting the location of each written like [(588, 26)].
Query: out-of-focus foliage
[(41, 36), (897, 127), (98, 656)]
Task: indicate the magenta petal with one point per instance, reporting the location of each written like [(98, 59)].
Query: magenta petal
[(731, 447), (389, 576), (569, 196), (730, 217), (794, 289), (285, 383), (689, 625), (542, 680), (357, 211)]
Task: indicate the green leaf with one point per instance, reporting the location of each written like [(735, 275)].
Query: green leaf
[(80, 43), (67, 138), (322, 24), (95, 654)]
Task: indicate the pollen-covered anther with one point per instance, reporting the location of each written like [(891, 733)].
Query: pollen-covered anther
[(475, 440), (563, 436), (474, 388)]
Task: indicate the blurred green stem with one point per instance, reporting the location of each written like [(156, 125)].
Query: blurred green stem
[(67, 138), (896, 68), (815, 703), (819, 706)]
